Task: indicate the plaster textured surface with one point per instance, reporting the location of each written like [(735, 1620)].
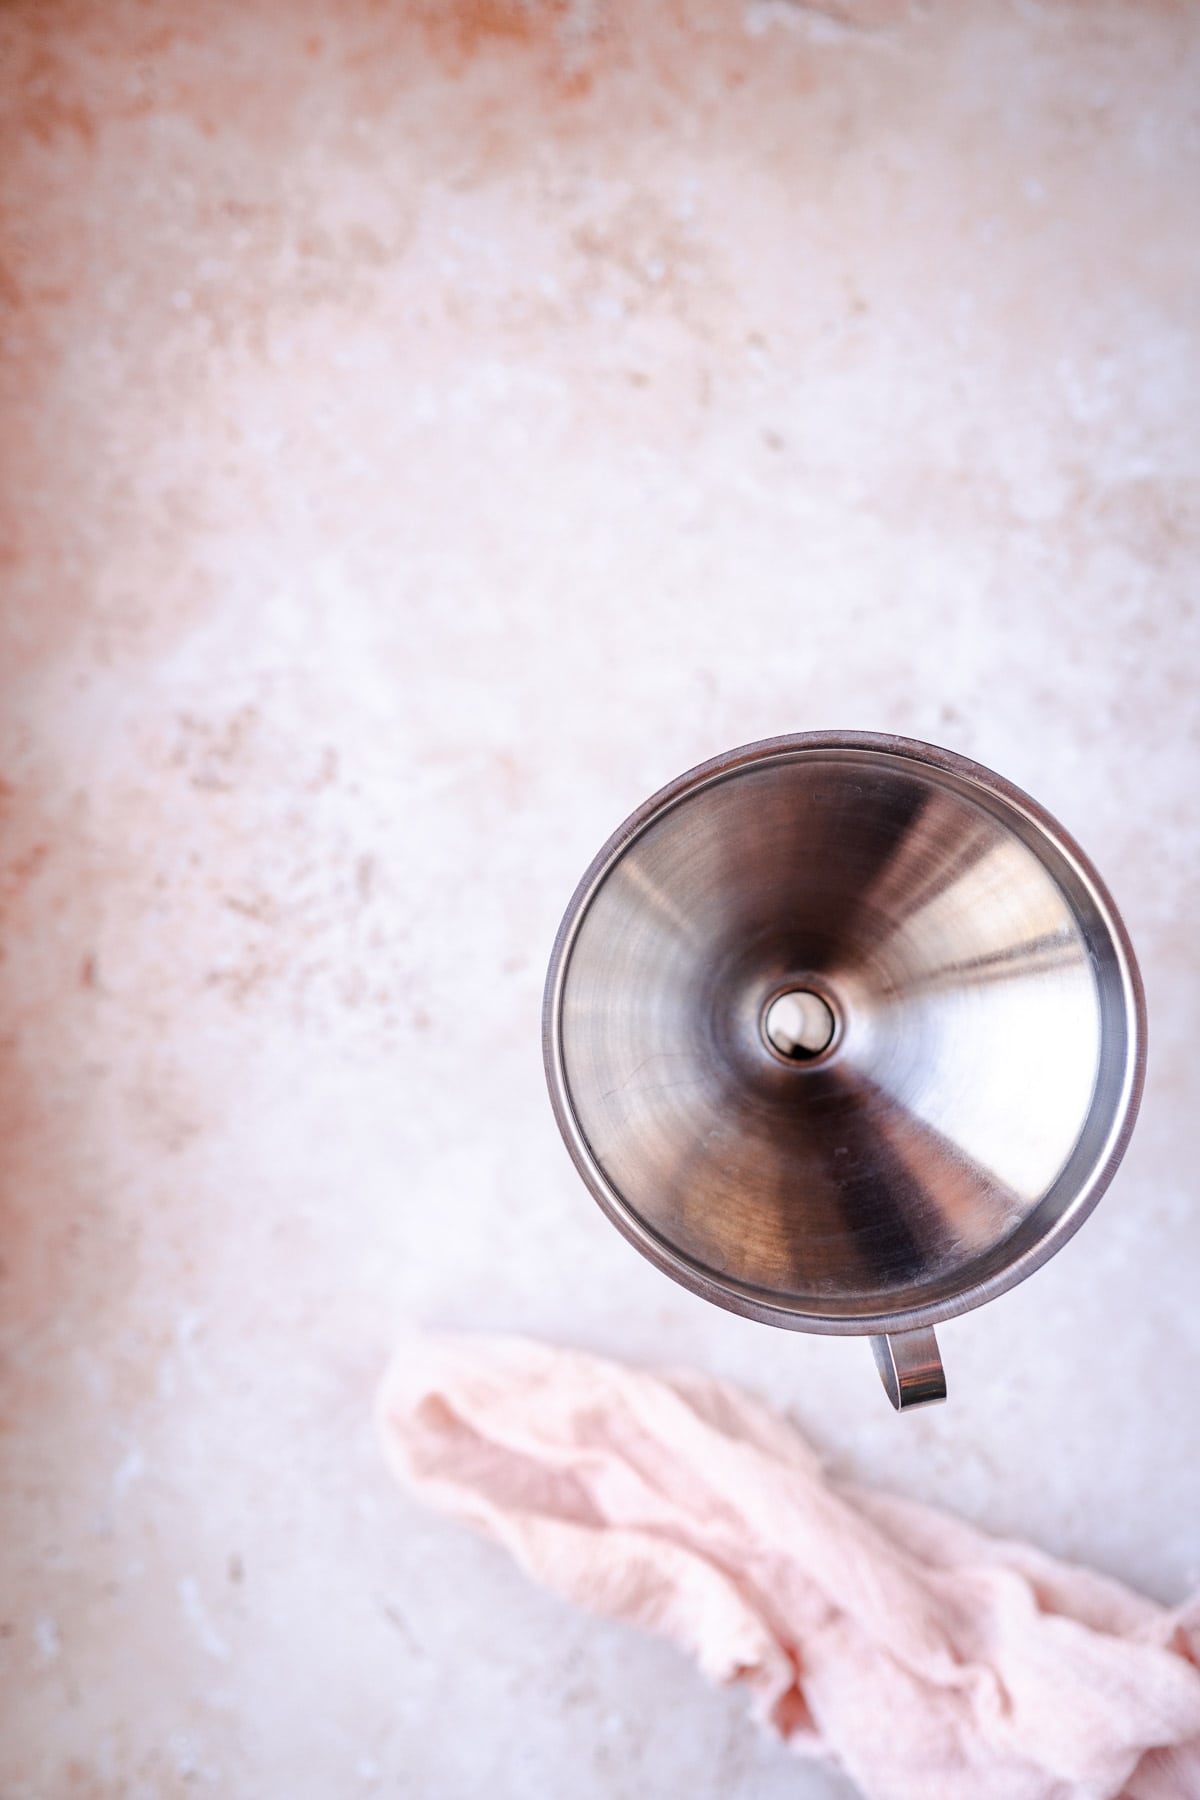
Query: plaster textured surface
[(426, 430)]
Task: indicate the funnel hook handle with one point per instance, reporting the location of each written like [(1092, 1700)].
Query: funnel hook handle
[(910, 1366)]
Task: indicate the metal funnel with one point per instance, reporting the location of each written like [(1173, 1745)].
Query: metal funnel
[(845, 1034)]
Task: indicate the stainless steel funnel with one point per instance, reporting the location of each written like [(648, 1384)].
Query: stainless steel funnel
[(845, 1034)]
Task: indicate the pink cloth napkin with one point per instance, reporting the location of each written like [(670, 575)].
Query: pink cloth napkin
[(928, 1660)]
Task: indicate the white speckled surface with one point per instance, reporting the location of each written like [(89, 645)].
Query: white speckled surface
[(425, 432)]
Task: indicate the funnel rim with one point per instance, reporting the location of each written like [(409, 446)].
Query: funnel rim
[(1001, 797)]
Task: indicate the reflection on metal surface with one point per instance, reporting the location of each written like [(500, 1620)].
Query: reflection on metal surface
[(974, 1097)]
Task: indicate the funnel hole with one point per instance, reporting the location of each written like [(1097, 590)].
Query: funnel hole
[(799, 1025)]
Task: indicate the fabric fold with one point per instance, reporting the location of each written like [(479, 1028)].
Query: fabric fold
[(927, 1659)]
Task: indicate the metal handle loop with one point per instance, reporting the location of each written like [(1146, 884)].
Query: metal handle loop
[(910, 1367)]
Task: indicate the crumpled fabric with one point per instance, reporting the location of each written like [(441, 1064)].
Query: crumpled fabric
[(925, 1658)]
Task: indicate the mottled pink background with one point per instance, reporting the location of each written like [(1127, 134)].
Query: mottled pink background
[(427, 429)]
